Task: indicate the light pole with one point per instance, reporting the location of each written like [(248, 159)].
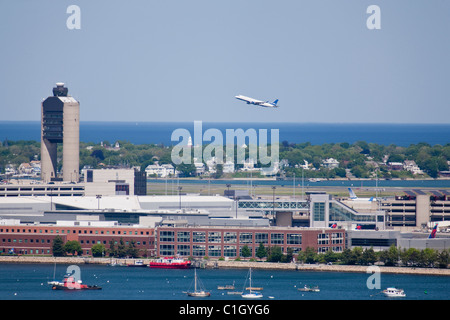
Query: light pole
[(273, 201), (179, 194), (98, 196)]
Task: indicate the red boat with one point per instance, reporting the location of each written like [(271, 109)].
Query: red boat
[(69, 283), (170, 263)]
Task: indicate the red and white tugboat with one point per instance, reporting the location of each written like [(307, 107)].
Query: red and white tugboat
[(69, 283)]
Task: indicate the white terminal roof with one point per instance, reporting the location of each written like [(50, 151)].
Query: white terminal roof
[(118, 202)]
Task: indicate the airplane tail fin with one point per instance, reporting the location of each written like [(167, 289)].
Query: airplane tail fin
[(275, 102), (433, 232), (352, 194)]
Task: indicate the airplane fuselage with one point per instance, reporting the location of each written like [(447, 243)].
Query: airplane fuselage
[(260, 103)]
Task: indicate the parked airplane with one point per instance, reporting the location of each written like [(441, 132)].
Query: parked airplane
[(260, 103), (355, 198)]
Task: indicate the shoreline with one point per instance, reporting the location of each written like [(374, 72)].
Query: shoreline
[(219, 264)]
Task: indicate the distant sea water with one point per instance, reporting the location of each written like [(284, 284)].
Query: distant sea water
[(315, 133)]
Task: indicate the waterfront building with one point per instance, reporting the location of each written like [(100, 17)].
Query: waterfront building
[(228, 242), (31, 239), (60, 123)]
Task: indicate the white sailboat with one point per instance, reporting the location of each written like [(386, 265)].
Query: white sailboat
[(251, 294), (199, 291)]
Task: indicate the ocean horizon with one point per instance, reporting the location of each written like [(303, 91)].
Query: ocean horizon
[(399, 134)]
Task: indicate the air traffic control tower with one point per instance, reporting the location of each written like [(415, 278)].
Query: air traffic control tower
[(60, 123)]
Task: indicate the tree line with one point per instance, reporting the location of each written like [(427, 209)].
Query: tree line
[(116, 250), (359, 158), (393, 256)]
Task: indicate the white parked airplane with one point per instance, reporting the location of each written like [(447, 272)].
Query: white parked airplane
[(260, 103), (353, 196)]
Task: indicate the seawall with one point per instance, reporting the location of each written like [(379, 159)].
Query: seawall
[(233, 264)]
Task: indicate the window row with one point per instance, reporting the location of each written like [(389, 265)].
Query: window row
[(230, 237), (62, 231), (208, 250)]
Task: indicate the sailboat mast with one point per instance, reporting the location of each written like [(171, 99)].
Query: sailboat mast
[(195, 280), (250, 280)]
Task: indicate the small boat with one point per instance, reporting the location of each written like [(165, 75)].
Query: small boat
[(226, 287), (69, 283), (137, 263), (170, 263), (235, 292), (394, 293), (198, 292), (310, 289), (255, 288), (251, 294)]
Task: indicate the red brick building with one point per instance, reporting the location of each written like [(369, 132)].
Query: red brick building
[(216, 242), (197, 242), (38, 239)]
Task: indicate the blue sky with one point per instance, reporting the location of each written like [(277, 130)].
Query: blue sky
[(143, 60)]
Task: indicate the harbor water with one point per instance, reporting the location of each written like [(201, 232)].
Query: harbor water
[(30, 282)]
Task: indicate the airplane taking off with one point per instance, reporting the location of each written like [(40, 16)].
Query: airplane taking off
[(260, 103), (355, 198)]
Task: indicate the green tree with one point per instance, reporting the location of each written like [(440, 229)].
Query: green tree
[(310, 255), (132, 251), (121, 250), (330, 256), (390, 257), (73, 247), (288, 256), (97, 250), (410, 257), (261, 252), (443, 259), (186, 170), (58, 247), (428, 257), (275, 254), (369, 256), (112, 251), (246, 252), (219, 171)]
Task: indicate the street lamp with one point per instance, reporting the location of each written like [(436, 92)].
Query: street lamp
[(273, 201), (179, 194), (98, 196)]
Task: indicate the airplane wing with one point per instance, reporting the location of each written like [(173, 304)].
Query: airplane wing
[(249, 100)]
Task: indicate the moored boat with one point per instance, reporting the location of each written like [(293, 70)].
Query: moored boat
[(226, 287), (309, 289), (394, 293), (69, 283), (138, 263), (251, 294), (170, 263), (199, 291)]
